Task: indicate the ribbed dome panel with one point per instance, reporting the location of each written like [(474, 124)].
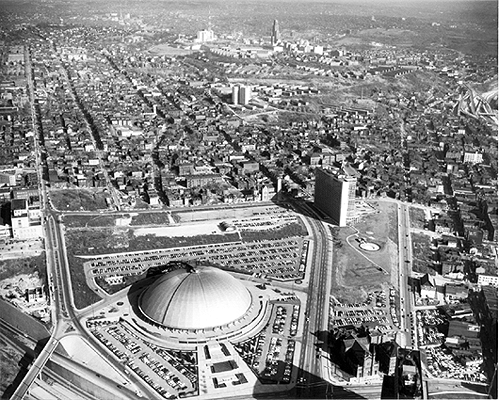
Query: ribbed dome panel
[(203, 299)]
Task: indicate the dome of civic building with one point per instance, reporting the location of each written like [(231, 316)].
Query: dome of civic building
[(195, 298)]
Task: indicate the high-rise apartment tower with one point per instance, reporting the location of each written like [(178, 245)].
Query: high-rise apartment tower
[(335, 195)]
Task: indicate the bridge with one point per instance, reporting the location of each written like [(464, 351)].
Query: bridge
[(476, 105), (35, 369)]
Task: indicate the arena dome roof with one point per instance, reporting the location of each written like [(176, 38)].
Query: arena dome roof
[(200, 298)]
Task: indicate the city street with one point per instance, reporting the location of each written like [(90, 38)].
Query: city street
[(317, 309), (407, 336)]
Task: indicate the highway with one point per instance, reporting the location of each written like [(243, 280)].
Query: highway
[(26, 345), (317, 308), (407, 336), (59, 296)]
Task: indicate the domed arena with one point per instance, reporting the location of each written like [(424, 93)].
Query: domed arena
[(195, 299)]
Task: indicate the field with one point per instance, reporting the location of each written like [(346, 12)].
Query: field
[(296, 229), (131, 219), (11, 268), (78, 200), (82, 294), (421, 253), (108, 240), (83, 221), (417, 217), (221, 214), (356, 271)]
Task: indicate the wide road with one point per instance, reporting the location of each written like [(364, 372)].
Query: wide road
[(408, 336), (145, 389), (317, 309), (53, 262), (61, 304)]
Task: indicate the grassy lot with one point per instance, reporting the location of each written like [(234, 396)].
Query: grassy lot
[(384, 224), (297, 229), (150, 219), (97, 241), (11, 268), (421, 253), (381, 229), (82, 294), (82, 221), (108, 240), (354, 274), (417, 217), (78, 199)]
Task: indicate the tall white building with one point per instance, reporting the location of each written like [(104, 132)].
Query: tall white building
[(235, 94), (244, 94), (335, 195), (206, 35)]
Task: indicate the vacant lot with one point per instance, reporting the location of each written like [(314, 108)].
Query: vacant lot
[(205, 215), (421, 253), (78, 199), (156, 218), (131, 219), (356, 271), (83, 221), (82, 294), (11, 268), (354, 275), (417, 217)]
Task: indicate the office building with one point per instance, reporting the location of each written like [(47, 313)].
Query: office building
[(335, 195)]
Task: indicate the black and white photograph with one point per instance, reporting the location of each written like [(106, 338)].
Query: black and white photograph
[(248, 199)]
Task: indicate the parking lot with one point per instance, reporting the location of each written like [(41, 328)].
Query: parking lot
[(270, 355), (442, 364), (427, 323), (283, 259), (376, 312), (169, 372)]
